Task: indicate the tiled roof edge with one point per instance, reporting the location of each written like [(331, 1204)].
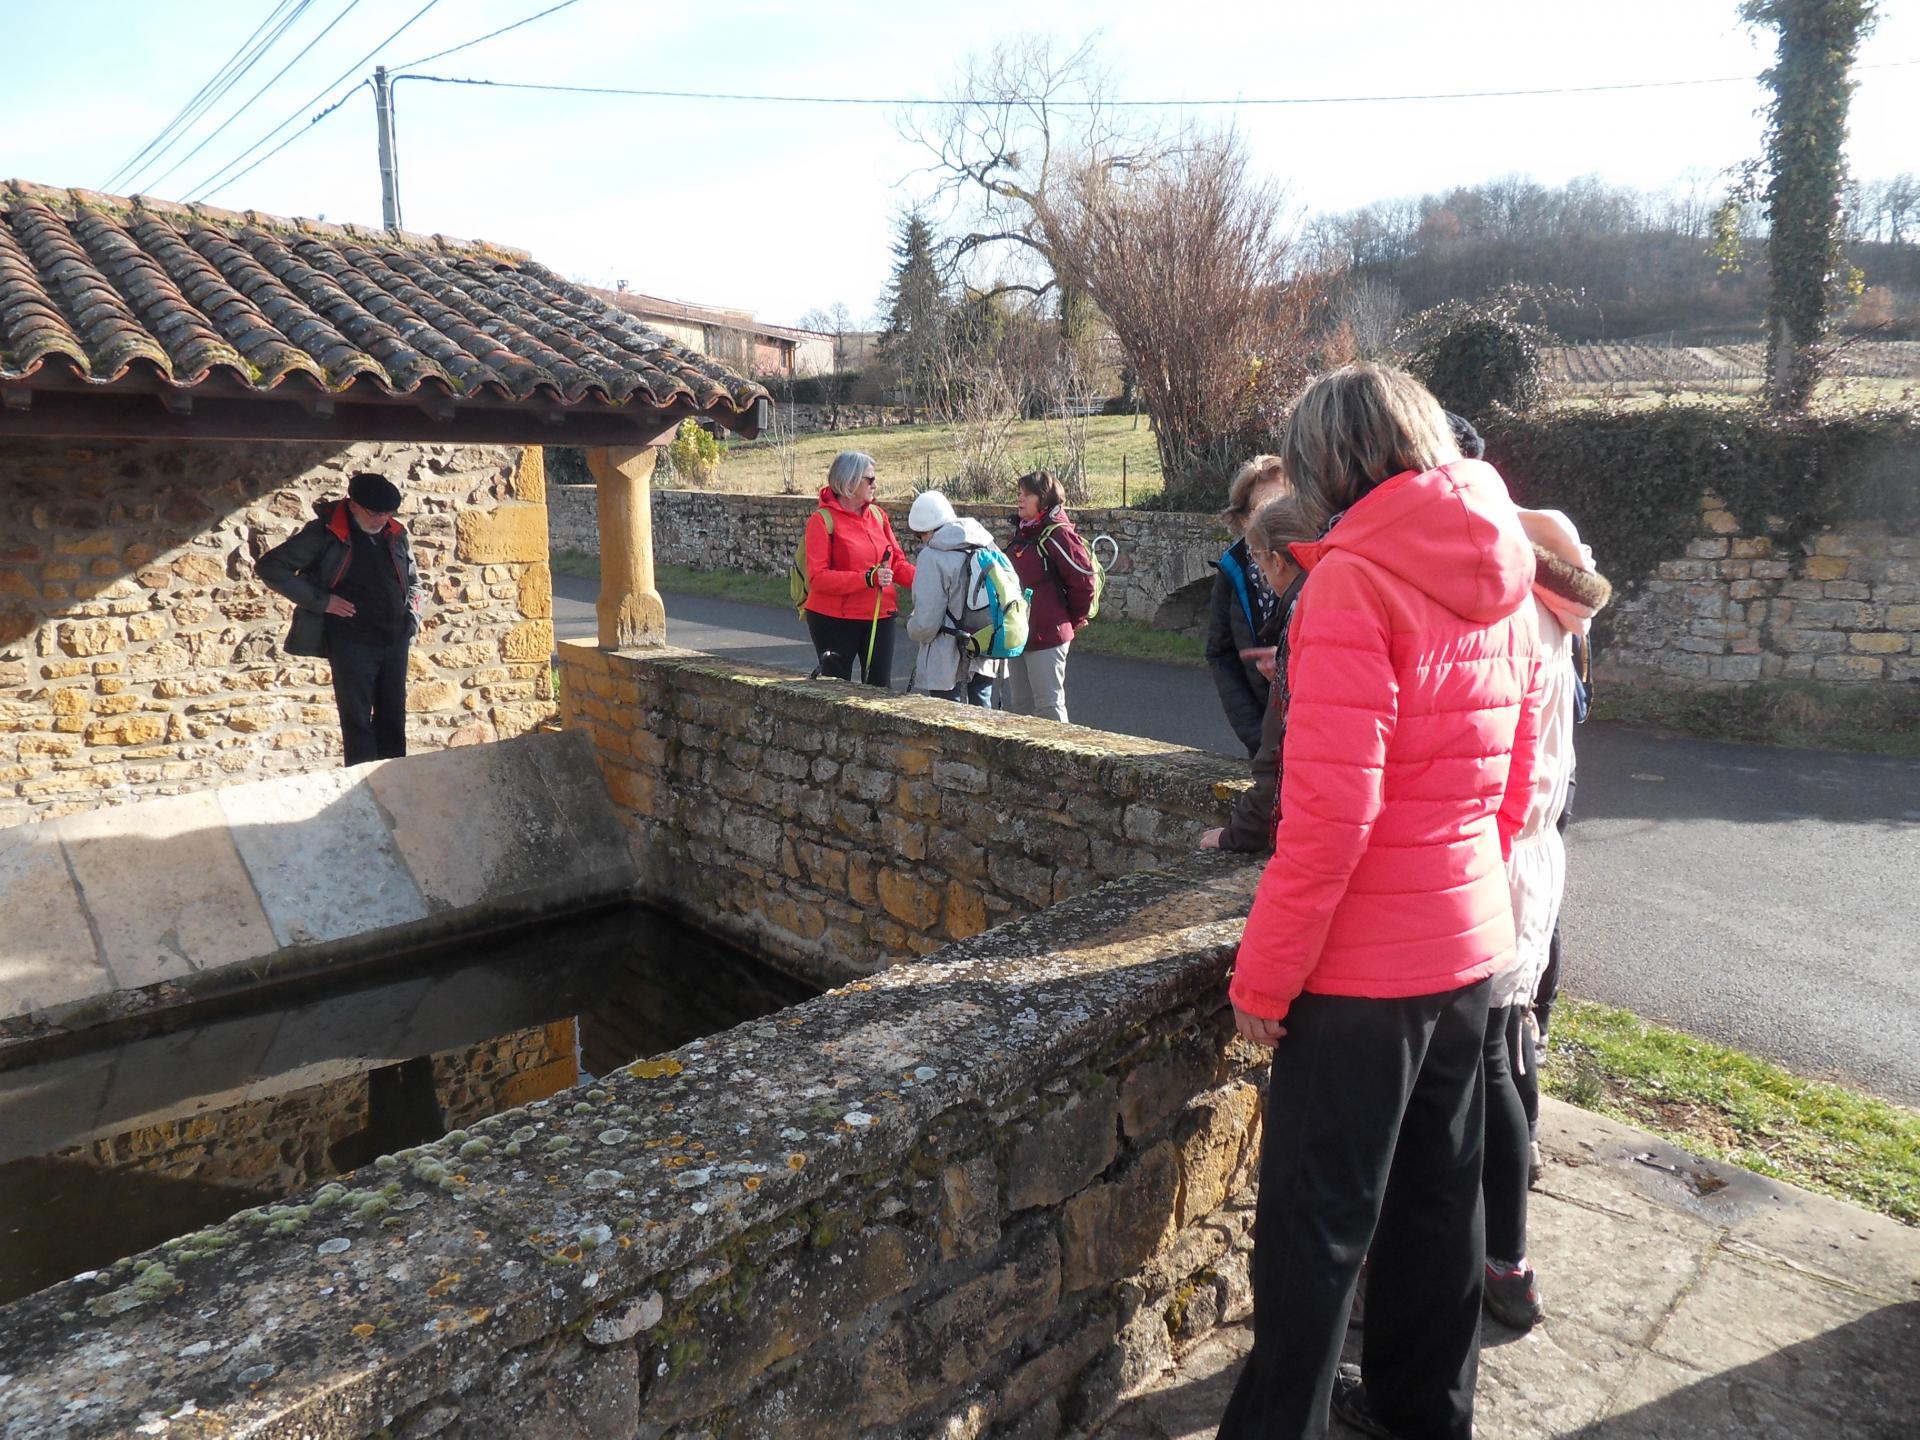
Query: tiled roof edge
[(68, 203)]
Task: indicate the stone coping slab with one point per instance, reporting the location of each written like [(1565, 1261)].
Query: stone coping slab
[(147, 905), (346, 1307)]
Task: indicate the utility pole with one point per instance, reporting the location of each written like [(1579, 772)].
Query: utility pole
[(389, 161)]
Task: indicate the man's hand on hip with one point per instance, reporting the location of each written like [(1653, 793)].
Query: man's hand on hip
[(338, 605)]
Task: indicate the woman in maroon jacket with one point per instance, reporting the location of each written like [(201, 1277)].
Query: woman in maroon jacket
[(1052, 561)]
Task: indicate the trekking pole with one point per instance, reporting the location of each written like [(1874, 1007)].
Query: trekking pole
[(866, 671)]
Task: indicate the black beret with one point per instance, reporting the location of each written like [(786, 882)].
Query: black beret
[(374, 492)]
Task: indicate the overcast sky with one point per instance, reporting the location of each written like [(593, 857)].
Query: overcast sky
[(780, 208)]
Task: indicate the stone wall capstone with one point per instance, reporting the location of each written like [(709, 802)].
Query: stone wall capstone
[(1160, 552), (835, 830), (139, 656)]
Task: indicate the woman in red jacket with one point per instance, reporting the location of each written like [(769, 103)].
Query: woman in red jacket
[(853, 563), (1414, 684), (1052, 561)]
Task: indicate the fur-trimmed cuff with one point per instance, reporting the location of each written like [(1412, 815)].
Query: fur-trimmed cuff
[(1585, 592)]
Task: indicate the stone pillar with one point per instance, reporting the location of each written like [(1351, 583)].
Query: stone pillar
[(632, 615)]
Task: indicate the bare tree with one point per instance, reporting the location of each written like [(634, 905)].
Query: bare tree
[(1022, 118), (1192, 264), (1371, 310)]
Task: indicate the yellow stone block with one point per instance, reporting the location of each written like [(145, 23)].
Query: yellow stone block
[(127, 730), (1825, 567), (510, 533), (68, 703), (93, 637), (102, 544), (116, 704), (530, 478), (536, 592), (1875, 642), (909, 900), (531, 641), (434, 695), (1721, 522), (966, 910)]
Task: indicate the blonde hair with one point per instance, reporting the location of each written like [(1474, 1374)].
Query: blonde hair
[(1357, 426), (1279, 523), (1248, 478)]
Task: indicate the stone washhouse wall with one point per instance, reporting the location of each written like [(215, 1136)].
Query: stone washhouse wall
[(1739, 608), (281, 1142), (757, 534), (985, 1195), (834, 830), (139, 656)]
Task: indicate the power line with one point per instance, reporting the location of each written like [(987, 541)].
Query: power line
[(1168, 104), (224, 79), (304, 51), (468, 45), (364, 84), (208, 187)]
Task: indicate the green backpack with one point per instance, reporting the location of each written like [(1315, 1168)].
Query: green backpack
[(797, 582), (1093, 555)]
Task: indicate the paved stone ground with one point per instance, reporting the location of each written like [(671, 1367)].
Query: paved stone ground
[(1685, 1299)]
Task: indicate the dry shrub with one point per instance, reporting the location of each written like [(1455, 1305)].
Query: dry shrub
[(1191, 263)]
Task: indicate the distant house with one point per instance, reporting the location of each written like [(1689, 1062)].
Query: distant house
[(733, 337)]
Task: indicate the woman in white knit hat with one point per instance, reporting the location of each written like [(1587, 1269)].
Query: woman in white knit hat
[(940, 583), (1567, 593)]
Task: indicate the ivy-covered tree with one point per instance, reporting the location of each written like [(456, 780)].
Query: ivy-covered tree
[(916, 307), (1806, 132)]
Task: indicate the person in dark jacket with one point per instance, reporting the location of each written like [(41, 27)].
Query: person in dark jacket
[(358, 599), (1243, 605), (1052, 561), (1278, 525)]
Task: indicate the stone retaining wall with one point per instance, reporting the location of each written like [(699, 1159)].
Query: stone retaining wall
[(835, 830), (757, 534), (984, 1196), (139, 656), (1743, 608)]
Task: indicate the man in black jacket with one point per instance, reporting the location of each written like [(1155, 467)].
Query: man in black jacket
[(357, 598)]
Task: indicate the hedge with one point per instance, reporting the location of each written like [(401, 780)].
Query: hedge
[(1633, 478)]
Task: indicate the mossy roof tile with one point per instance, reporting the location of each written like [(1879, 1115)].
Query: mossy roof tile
[(103, 280)]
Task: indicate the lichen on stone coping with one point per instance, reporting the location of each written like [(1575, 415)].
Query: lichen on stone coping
[(366, 1296)]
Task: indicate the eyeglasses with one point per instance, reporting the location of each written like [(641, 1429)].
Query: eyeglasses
[(869, 480)]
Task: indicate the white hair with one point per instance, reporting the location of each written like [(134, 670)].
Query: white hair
[(849, 468)]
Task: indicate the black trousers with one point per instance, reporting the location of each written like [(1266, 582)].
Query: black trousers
[(1504, 1172), (1374, 1126), (839, 642), (370, 691)]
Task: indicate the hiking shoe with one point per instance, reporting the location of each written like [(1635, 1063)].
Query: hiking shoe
[(1352, 1407), (1513, 1297), (1536, 1164)]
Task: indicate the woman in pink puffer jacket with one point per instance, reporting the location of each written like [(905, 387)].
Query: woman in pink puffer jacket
[(1414, 673)]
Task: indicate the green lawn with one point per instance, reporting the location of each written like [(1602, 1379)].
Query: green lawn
[(1732, 1106), (907, 457)]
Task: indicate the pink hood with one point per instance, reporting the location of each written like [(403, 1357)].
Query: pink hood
[(1451, 533)]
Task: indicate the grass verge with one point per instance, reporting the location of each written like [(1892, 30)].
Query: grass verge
[(1129, 638), (910, 457), (1725, 1104), (1873, 719)]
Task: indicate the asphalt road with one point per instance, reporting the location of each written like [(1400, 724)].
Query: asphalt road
[(1761, 897)]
